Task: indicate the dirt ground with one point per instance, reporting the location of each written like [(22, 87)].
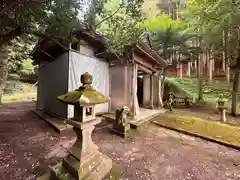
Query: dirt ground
[(28, 146)]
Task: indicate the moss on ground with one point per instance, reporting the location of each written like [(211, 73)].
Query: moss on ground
[(212, 130)]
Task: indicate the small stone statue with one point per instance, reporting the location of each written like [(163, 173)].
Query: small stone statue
[(121, 125), (121, 116), (170, 101), (187, 102)]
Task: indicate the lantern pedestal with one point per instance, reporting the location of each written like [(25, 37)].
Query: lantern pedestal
[(84, 160)]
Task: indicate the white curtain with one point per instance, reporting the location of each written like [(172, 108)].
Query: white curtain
[(79, 64)]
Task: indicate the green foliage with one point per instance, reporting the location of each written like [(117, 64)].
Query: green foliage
[(213, 19), (27, 67), (120, 23), (163, 22), (53, 18), (169, 36), (211, 91), (19, 55)]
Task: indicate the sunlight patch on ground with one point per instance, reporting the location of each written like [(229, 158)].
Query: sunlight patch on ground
[(21, 92)]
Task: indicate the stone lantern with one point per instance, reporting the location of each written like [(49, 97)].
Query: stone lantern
[(221, 107), (84, 161)]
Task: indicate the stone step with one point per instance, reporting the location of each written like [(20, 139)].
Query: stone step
[(58, 124), (141, 122)]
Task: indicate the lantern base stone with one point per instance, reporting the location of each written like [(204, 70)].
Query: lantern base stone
[(95, 168)]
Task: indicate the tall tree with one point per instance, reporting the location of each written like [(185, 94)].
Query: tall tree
[(19, 17), (211, 19), (119, 22), (19, 50)]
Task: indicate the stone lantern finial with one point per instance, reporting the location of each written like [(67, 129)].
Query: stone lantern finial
[(86, 80)]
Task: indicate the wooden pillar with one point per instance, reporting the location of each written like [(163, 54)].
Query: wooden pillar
[(146, 90), (151, 90), (135, 109), (160, 102)]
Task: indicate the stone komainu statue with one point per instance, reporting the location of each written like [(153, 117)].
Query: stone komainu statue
[(121, 116)]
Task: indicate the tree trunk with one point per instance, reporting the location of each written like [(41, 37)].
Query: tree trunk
[(3, 69), (228, 74), (210, 70), (189, 69), (234, 93), (200, 83), (207, 63), (164, 70), (213, 64), (223, 62), (180, 70), (224, 52), (235, 88)]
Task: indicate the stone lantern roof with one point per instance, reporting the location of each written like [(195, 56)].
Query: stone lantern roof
[(86, 95)]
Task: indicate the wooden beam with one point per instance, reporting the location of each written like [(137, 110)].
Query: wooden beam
[(144, 69), (46, 54), (143, 64), (149, 56)]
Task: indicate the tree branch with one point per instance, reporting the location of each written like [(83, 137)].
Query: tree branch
[(4, 39), (46, 35), (7, 8), (108, 17)]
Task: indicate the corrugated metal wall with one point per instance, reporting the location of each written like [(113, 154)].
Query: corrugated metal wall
[(52, 82)]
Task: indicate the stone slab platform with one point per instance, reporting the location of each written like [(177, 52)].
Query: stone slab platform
[(58, 124), (144, 117)]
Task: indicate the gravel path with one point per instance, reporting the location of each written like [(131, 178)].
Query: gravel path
[(28, 145)]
